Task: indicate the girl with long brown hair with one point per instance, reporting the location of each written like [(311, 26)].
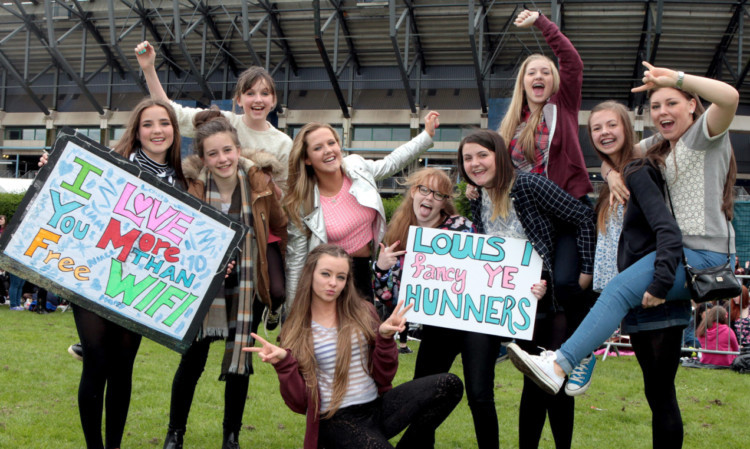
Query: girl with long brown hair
[(336, 362)]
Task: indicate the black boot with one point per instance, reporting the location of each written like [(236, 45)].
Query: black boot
[(231, 440), (174, 438)]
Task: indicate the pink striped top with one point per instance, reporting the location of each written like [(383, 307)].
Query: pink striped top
[(348, 223)]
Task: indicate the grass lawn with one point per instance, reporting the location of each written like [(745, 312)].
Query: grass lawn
[(39, 382)]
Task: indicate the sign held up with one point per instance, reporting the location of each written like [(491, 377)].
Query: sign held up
[(99, 231), (470, 282)]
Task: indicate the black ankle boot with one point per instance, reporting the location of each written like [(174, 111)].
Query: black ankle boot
[(231, 440), (174, 438)]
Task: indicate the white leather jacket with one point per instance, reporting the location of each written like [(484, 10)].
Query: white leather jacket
[(363, 173)]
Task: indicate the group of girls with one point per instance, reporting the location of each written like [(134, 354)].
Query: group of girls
[(335, 359)]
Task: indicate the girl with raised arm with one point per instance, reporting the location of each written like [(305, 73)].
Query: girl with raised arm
[(255, 94), (335, 199), (336, 362)]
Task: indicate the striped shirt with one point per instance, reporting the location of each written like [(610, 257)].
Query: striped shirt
[(164, 171), (348, 223), (360, 389)]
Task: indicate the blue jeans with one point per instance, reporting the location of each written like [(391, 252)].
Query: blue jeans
[(623, 293), (15, 290)]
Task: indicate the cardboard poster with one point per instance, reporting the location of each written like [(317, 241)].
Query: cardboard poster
[(98, 231), (471, 282)]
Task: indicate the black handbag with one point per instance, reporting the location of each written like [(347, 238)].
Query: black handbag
[(712, 283)]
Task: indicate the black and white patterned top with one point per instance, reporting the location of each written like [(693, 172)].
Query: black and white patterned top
[(163, 171), (538, 202)]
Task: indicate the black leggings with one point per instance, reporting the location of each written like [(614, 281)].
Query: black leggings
[(536, 404), (421, 404), (363, 278), (658, 353), (110, 352), (183, 388), (439, 349)]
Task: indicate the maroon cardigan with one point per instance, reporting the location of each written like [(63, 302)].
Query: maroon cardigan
[(384, 363), (566, 166)]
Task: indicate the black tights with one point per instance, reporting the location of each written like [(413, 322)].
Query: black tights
[(658, 353), (110, 352), (421, 404), (536, 404), (183, 388), (439, 349)]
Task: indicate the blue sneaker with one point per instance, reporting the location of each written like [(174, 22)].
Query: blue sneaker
[(580, 379)]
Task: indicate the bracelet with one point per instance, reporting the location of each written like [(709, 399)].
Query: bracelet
[(607, 174), (680, 79)]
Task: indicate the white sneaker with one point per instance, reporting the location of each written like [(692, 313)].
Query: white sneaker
[(539, 368)]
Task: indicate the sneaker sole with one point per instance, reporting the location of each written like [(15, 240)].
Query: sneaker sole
[(520, 360), (577, 391), (74, 355)]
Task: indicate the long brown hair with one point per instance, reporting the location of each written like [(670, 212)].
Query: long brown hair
[(513, 117), (209, 122), (403, 217), (298, 201), (499, 190), (129, 141), (714, 315), (736, 310), (603, 208), (354, 320), (658, 153)]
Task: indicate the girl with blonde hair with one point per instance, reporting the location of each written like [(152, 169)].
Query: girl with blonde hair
[(335, 199)]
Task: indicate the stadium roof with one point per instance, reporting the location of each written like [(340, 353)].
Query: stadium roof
[(83, 50)]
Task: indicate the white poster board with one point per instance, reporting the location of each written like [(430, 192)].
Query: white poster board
[(471, 282)]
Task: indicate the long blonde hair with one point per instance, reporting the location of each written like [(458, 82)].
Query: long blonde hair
[(354, 320), (403, 217), (513, 117), (302, 180)]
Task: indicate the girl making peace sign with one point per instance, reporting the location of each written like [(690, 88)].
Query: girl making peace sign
[(336, 363)]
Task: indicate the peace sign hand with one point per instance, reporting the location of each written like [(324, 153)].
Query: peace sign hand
[(656, 77), (396, 322), (268, 352), (388, 257)]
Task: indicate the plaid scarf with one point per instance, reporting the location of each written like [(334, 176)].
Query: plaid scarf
[(231, 312), (541, 150)]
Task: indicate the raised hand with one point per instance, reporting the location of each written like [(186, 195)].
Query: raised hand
[(431, 122), (526, 18), (43, 159), (396, 322), (145, 54), (388, 257), (656, 77), (268, 352)]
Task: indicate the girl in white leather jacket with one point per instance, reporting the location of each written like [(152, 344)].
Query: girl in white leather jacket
[(334, 199)]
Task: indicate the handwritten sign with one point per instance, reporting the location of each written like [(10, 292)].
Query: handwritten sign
[(98, 231), (471, 282)]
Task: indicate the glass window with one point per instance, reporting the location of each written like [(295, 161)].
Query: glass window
[(381, 133), (448, 134), (362, 133), (116, 133), (401, 134)]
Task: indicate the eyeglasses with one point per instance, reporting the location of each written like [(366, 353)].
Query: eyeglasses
[(426, 191)]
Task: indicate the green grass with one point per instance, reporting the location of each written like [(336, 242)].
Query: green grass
[(39, 381)]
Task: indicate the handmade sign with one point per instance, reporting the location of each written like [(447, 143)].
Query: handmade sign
[(471, 282), (98, 231)]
